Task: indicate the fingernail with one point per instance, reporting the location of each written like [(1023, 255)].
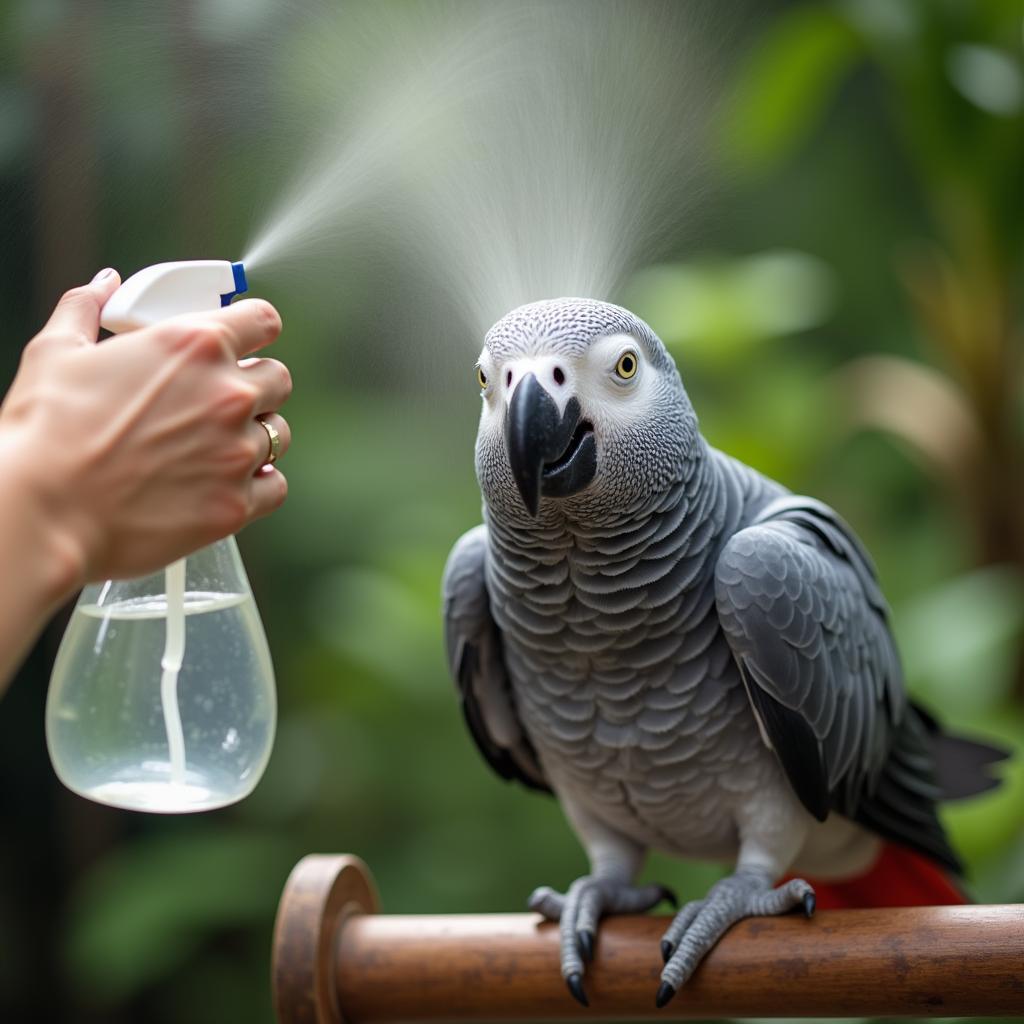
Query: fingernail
[(103, 274)]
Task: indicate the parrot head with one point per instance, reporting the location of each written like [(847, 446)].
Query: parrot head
[(583, 412)]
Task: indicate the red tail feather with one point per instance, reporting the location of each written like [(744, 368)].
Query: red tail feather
[(900, 877)]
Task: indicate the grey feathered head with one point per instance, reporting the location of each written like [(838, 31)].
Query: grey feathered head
[(584, 414)]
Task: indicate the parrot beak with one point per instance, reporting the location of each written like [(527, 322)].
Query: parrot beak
[(551, 454)]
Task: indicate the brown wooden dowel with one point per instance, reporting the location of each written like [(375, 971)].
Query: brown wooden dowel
[(321, 893), (940, 961)]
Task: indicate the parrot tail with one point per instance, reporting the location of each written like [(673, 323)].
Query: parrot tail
[(904, 877), (900, 877), (963, 767)]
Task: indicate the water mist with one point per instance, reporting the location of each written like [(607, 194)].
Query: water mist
[(519, 153)]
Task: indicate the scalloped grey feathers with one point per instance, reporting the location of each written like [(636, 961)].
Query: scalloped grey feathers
[(638, 649), (474, 655), (801, 608)]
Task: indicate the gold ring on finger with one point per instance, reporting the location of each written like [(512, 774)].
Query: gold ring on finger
[(273, 437)]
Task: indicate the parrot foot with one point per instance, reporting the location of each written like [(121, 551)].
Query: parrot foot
[(578, 911), (701, 923)]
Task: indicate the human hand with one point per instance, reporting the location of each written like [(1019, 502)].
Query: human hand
[(146, 447)]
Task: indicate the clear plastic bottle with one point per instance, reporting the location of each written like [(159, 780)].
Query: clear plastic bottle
[(162, 696)]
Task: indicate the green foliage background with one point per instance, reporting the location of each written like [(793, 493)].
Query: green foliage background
[(847, 313)]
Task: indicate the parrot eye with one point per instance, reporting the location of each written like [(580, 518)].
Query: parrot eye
[(481, 377), (626, 367)]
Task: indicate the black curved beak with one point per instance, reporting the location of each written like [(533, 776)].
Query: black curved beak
[(550, 454)]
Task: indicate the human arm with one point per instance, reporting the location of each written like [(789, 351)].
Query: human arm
[(116, 459)]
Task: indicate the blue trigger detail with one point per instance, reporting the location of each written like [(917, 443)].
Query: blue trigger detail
[(241, 285)]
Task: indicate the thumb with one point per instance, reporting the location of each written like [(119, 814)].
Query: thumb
[(76, 318)]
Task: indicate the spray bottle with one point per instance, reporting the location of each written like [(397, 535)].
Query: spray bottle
[(162, 695)]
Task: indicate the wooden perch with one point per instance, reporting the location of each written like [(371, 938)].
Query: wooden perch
[(337, 960)]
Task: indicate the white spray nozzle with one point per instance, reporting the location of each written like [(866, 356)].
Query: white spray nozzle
[(169, 289)]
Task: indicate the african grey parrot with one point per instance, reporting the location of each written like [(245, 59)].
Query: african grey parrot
[(687, 655)]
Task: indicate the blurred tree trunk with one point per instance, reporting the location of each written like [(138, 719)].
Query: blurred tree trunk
[(66, 834), (65, 251), (199, 150), (964, 298)]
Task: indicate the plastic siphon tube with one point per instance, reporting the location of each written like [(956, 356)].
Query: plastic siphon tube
[(170, 663)]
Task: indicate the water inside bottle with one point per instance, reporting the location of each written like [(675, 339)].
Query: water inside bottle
[(108, 728)]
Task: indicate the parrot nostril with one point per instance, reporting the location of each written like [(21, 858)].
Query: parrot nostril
[(559, 376), (508, 379)]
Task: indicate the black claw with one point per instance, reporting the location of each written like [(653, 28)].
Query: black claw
[(664, 996), (585, 940), (670, 897), (575, 983), (809, 904), (667, 949)]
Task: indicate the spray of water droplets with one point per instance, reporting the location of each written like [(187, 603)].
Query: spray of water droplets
[(517, 151)]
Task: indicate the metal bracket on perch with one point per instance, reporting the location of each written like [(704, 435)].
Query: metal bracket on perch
[(337, 960)]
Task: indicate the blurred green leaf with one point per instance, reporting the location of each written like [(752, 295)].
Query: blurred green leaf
[(991, 79), (784, 85), (377, 620), (147, 906), (884, 20), (784, 395), (712, 311), (226, 21), (17, 122), (959, 641), (1001, 878)]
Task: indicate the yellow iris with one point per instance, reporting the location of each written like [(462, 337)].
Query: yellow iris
[(627, 365), (481, 377)]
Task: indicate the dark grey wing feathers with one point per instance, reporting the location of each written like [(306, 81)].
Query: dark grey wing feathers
[(475, 660), (796, 746), (801, 607)]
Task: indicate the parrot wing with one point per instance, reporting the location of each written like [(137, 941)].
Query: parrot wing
[(475, 660), (801, 607)]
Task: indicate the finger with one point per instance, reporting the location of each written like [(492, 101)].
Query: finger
[(76, 318), (272, 380), (267, 491), (250, 323), (262, 436)]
